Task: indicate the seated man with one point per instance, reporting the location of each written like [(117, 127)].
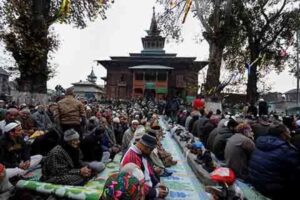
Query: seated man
[(27, 121), (14, 153), (10, 116), (274, 165), (63, 164), (139, 155), (93, 153)]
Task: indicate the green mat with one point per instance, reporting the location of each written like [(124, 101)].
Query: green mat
[(90, 191)]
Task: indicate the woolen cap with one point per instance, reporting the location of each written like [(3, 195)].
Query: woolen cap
[(70, 134), (149, 141)]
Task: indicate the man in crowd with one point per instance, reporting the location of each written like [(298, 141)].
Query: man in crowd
[(10, 116), (238, 150), (92, 150), (221, 138), (63, 164), (274, 167), (41, 118), (139, 155), (27, 122), (14, 153), (70, 113), (128, 135)]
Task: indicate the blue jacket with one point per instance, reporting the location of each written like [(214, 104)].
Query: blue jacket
[(274, 167)]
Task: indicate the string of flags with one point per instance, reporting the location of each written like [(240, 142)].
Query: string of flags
[(64, 9), (248, 66), (187, 7)]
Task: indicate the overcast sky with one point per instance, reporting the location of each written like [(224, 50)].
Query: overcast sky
[(120, 35)]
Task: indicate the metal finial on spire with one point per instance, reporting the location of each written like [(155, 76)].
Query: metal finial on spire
[(153, 27)]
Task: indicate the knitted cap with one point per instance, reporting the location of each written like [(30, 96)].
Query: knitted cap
[(70, 134), (148, 141)]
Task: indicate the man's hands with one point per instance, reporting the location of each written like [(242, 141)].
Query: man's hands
[(85, 172), (24, 165), (162, 191)]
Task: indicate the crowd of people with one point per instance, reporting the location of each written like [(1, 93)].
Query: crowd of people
[(262, 149), (73, 140)]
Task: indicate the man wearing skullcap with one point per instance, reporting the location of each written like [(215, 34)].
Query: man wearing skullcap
[(14, 152)]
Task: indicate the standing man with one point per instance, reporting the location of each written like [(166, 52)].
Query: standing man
[(70, 112)]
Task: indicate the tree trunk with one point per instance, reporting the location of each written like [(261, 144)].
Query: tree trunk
[(34, 73), (214, 67), (252, 94)]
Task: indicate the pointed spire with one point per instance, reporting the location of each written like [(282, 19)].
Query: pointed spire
[(92, 77), (153, 31), (153, 42)]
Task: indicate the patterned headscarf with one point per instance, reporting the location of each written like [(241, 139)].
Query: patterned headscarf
[(122, 186)]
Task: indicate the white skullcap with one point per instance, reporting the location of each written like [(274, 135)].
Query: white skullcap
[(116, 120), (135, 122), (10, 126)]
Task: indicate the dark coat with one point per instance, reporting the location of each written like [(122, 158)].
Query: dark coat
[(198, 125), (260, 129), (220, 142), (13, 152), (91, 147), (211, 138), (274, 168)]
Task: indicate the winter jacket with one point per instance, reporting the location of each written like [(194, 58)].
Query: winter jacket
[(13, 152), (274, 168), (220, 142), (211, 138), (42, 120), (91, 147), (69, 111), (260, 129), (237, 154)]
